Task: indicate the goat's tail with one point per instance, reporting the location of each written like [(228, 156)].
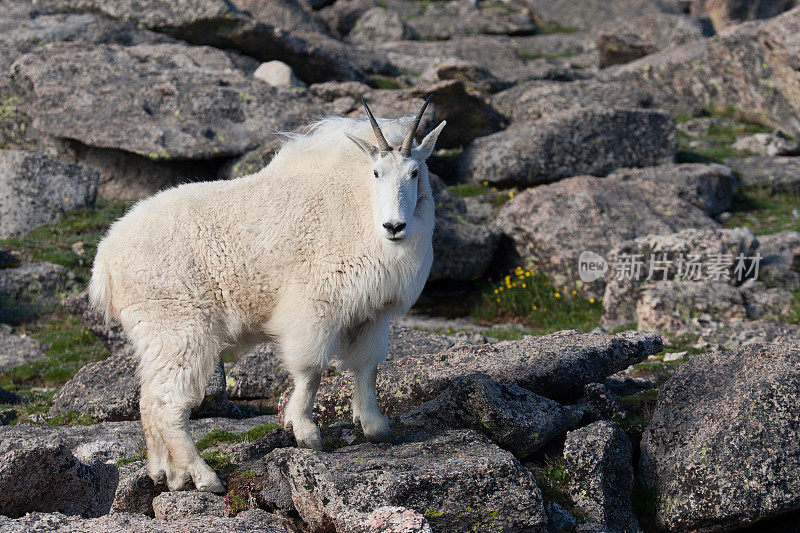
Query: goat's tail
[(100, 289)]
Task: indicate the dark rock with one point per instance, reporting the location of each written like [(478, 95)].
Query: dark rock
[(768, 303), (17, 349), (342, 15), (33, 288), (600, 403), (558, 519), (516, 419), (622, 386), (780, 265), (474, 76), (7, 415), (779, 174), (620, 49), (51, 479), (135, 490), (8, 397), (556, 366), (445, 20), (8, 259), (671, 306), (252, 161), (109, 389), (551, 225), (598, 462), (592, 140), (621, 292), (35, 189), (419, 472), (751, 66), (733, 337), (721, 449)]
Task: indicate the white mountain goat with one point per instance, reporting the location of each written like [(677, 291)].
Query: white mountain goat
[(319, 250)]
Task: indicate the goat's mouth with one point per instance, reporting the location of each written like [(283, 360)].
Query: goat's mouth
[(396, 238)]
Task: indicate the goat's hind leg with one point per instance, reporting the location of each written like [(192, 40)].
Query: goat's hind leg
[(175, 371)]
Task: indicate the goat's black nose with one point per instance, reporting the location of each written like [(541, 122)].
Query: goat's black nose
[(394, 227)]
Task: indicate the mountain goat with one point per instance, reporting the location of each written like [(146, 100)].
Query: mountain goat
[(319, 250)]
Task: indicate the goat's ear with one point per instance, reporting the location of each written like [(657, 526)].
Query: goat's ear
[(425, 148), (370, 149)]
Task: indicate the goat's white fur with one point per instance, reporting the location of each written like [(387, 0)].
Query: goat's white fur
[(295, 252)]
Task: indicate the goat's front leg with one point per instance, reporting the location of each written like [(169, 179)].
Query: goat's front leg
[(298, 416), (362, 355), (365, 406)]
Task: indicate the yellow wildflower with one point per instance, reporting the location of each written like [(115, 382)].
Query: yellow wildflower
[(591, 300), (558, 295)]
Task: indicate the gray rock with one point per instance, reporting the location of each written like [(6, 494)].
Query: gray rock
[(17, 349), (599, 402), (446, 20), (746, 333), (342, 15), (474, 76), (621, 291), (780, 265), (536, 99), (550, 226), (386, 519), (655, 22), (721, 449), (257, 374), (620, 49), (671, 306), (592, 140), (516, 419), (725, 13), (750, 66), (183, 504), (135, 490), (205, 108), (50, 478), (33, 288), (419, 472), (598, 461), (35, 189), (252, 521), (265, 30), (7, 415), (766, 144), (127, 437), (709, 187), (779, 174), (379, 25), (768, 303), (556, 366), (109, 389)]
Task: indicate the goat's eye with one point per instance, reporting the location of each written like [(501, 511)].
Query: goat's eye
[(375, 173), (414, 173)]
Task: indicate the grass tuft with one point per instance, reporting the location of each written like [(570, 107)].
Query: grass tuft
[(223, 435), (764, 211), (528, 298)]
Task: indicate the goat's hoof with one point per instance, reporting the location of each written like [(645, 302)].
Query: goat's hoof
[(180, 482), (161, 478), (214, 486), (383, 436)]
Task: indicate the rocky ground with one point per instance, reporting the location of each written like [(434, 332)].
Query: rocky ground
[(651, 385)]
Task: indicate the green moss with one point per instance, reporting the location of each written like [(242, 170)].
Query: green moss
[(54, 243), (384, 82), (71, 418), (556, 28), (69, 346), (528, 298), (8, 109), (222, 435), (508, 333), (527, 55), (764, 211), (159, 156), (433, 512), (719, 137), (219, 462)]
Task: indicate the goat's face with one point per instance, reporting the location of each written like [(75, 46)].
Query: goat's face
[(396, 191)]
